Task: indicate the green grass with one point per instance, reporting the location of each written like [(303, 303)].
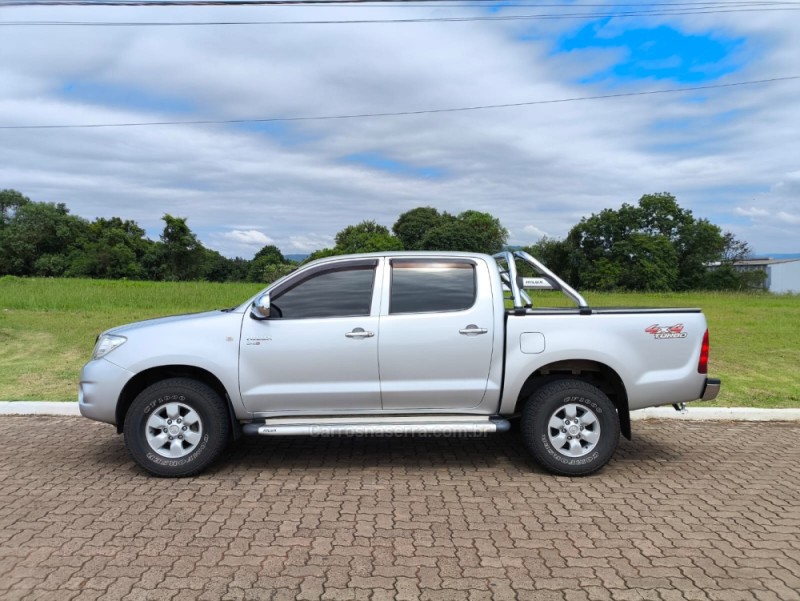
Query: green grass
[(48, 328)]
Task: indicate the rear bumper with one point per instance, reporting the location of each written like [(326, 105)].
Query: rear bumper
[(711, 389)]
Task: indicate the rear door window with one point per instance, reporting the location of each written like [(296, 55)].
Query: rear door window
[(431, 286)]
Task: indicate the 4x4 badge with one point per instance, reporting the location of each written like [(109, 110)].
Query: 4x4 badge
[(662, 332)]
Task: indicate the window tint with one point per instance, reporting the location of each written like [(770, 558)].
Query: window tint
[(431, 286), (340, 293)]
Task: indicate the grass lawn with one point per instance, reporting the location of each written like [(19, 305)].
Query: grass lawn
[(48, 328)]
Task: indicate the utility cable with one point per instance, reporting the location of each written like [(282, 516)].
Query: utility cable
[(535, 17), (404, 113), (173, 3)]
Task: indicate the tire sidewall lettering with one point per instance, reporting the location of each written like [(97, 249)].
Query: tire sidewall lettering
[(583, 401), (163, 400), (158, 459), (567, 460)]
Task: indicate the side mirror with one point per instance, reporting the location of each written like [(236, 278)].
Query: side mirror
[(260, 307)]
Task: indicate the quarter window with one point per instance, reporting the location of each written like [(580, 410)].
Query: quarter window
[(336, 293), (425, 286)]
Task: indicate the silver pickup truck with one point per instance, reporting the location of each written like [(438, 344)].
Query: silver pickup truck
[(397, 343)]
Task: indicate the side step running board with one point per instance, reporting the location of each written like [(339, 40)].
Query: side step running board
[(388, 426)]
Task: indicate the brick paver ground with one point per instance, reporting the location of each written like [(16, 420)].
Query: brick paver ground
[(687, 510)]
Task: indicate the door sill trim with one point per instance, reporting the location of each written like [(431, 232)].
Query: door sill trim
[(389, 425)]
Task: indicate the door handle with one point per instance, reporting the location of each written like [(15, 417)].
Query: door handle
[(472, 330), (360, 333)]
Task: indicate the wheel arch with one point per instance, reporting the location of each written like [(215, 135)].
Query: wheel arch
[(595, 373), (156, 374)]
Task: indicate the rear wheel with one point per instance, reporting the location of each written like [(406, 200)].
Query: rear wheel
[(176, 427), (570, 427)]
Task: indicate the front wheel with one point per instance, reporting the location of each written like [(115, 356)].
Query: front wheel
[(176, 427), (570, 427)]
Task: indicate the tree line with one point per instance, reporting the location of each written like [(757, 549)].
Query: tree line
[(655, 245)]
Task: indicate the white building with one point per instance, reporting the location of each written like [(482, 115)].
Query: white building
[(783, 275)]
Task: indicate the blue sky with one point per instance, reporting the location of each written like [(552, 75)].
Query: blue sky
[(727, 154), (129, 97), (380, 162), (659, 52)]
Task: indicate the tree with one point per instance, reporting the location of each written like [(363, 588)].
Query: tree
[(275, 271), (487, 234), (268, 256), (470, 231), (735, 249), (114, 249), (217, 268), (412, 225), (649, 262), (182, 252), (655, 245), (365, 237), (38, 239), (320, 254), (701, 243), (10, 201), (553, 253), (423, 228), (725, 276)]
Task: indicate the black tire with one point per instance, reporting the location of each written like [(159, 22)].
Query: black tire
[(599, 439), (209, 427)]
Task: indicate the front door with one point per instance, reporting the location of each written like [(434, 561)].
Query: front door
[(318, 352)]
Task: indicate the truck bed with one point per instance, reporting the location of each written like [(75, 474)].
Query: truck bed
[(606, 310)]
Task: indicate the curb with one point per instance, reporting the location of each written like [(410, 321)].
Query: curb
[(70, 409), (39, 408), (736, 414)]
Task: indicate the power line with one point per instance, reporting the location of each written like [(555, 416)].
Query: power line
[(173, 3), (405, 113), (643, 9), (533, 17)]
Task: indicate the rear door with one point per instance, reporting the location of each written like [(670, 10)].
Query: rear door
[(436, 333)]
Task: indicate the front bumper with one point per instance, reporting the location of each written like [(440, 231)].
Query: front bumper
[(711, 389), (100, 388)]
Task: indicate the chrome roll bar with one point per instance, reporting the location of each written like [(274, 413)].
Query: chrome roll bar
[(509, 277)]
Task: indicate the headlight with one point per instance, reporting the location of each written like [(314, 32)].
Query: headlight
[(105, 344)]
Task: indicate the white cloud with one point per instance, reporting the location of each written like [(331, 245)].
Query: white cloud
[(549, 164), (534, 231), (525, 236), (790, 218), (309, 242), (248, 237), (752, 212), (234, 243)]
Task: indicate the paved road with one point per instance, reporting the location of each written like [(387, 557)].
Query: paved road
[(686, 511)]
